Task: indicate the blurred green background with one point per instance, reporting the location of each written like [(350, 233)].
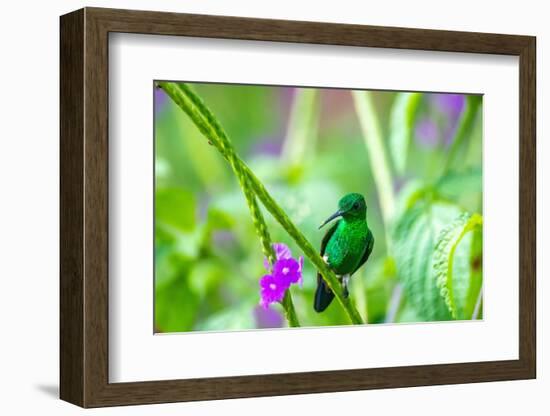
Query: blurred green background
[(308, 148)]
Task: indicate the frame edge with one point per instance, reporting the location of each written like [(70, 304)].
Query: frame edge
[(71, 291), (528, 208)]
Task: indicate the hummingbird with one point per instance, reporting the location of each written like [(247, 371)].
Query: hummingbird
[(345, 247)]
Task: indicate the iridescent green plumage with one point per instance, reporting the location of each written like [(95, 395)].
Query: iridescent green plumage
[(346, 246)]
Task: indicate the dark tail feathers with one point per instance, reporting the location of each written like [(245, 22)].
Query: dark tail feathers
[(323, 295)]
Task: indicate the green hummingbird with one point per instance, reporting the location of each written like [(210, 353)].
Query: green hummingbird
[(345, 247)]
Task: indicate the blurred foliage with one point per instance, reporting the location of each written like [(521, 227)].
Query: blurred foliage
[(402, 118), (307, 147)]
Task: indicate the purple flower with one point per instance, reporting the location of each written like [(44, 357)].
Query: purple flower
[(286, 271), (272, 290), (282, 251)]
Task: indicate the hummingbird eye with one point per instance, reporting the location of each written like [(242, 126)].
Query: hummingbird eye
[(356, 205)]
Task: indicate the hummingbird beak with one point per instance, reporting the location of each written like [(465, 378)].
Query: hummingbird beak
[(329, 219)]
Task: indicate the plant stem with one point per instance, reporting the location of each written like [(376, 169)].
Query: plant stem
[(209, 126), (305, 245), (380, 168), (395, 303), (193, 106), (360, 293), (477, 308), (302, 127), (290, 312)]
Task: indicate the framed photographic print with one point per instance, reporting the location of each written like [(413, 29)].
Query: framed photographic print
[(255, 207)]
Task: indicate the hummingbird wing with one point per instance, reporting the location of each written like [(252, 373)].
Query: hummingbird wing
[(327, 236), (368, 249), (323, 294)]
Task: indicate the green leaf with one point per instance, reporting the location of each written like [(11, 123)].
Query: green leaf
[(454, 184), (218, 219), (475, 293), (451, 262), (415, 236), (176, 208), (377, 288), (408, 314), (410, 193), (168, 263), (402, 117), (464, 188), (204, 276), (175, 305)]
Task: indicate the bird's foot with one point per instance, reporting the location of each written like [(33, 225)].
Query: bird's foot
[(345, 283), (325, 258)]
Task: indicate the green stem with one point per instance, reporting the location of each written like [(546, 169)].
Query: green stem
[(361, 296), (290, 312), (302, 127), (379, 165), (305, 245), (209, 126), (477, 308), (193, 106), (395, 303)]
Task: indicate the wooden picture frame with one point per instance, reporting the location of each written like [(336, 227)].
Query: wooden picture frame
[(84, 207)]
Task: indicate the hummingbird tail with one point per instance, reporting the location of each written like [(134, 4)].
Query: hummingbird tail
[(323, 295)]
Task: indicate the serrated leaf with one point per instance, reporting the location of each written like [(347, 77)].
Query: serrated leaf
[(415, 236), (451, 262), (402, 117), (476, 280)]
